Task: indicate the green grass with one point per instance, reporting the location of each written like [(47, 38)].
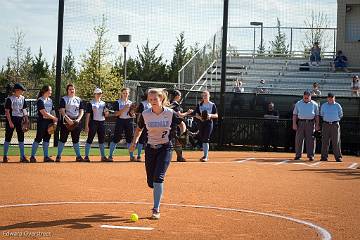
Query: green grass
[(68, 151)]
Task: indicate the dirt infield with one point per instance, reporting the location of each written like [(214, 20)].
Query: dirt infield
[(237, 195)]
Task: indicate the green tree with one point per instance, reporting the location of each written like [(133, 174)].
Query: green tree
[(179, 59), (96, 68), (68, 71), (279, 47), (149, 66), (40, 69), (26, 66)]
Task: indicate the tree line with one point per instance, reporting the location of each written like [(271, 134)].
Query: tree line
[(96, 66)]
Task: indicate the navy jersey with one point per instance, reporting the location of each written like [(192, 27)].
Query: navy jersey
[(43, 103), (96, 110), (174, 105), (120, 104), (72, 106), (16, 105), (160, 127), (210, 107)]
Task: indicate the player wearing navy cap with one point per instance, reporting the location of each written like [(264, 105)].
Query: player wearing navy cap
[(161, 123), (206, 112), (16, 113), (46, 116), (96, 112)]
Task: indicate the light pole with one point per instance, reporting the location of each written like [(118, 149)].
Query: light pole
[(261, 24), (124, 40)]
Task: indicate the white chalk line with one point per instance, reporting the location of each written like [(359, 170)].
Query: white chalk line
[(127, 227), (353, 166), (324, 234), (245, 160)]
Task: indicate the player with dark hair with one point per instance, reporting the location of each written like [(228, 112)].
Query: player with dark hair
[(175, 105), (71, 110), (161, 123), (96, 112), (144, 105), (124, 122), (46, 116), (16, 114), (206, 112)]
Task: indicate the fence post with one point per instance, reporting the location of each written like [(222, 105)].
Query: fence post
[(291, 40)]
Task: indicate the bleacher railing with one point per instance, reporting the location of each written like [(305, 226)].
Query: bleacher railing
[(246, 41)]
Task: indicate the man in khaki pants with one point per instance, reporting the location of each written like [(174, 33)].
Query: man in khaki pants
[(331, 112), (305, 119)]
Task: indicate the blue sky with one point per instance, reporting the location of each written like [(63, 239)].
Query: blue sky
[(159, 21)]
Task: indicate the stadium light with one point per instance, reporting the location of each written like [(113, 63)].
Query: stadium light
[(124, 40), (261, 24)]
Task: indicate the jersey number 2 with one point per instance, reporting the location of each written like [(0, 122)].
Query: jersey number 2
[(164, 134)]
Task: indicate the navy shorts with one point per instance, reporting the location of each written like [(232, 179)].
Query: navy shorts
[(64, 133), (41, 130), (205, 130), (156, 163), (96, 127), (9, 131), (123, 125)]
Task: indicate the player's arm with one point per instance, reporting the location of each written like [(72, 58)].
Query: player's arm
[(197, 113), (317, 118), (81, 112), (138, 131), (62, 107), (119, 112), (214, 113), (7, 112), (87, 116), (44, 113)]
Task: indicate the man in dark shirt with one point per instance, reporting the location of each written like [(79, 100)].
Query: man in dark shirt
[(270, 129)]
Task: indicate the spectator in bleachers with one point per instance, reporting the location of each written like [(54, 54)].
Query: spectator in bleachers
[(315, 52), (355, 86), (340, 62), (238, 87), (315, 91), (261, 87)]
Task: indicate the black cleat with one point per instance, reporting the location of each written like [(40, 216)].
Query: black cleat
[(311, 159), (5, 159), (86, 159), (24, 160), (181, 160), (79, 159), (297, 158), (48, 159), (105, 159), (32, 159), (323, 159), (58, 159), (339, 159)]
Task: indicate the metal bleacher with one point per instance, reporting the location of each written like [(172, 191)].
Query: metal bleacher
[(281, 75)]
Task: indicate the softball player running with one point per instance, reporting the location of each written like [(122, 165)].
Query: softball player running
[(124, 123), (144, 105), (45, 118), (95, 118), (161, 123), (71, 110), (15, 112), (175, 105), (206, 112)]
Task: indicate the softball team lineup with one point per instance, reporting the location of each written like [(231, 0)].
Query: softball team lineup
[(159, 125)]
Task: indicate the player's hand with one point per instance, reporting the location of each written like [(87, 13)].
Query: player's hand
[(11, 125), (190, 111), (132, 147), (106, 113), (295, 127), (55, 120)]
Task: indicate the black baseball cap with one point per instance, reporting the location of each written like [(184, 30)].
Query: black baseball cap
[(19, 86), (307, 92), (331, 95)]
